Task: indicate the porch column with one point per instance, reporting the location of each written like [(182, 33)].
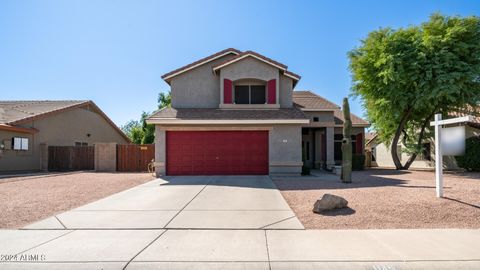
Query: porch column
[(318, 149), (329, 145)]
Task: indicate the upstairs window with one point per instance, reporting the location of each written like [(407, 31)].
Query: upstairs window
[(250, 94)]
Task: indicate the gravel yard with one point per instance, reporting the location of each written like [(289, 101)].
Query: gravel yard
[(381, 199), (24, 200)]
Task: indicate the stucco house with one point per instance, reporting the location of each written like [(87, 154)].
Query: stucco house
[(378, 154), (27, 128), (237, 112)]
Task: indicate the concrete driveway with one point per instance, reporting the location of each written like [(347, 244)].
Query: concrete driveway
[(186, 202)]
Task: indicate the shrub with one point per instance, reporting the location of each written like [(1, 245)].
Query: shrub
[(470, 161), (358, 162), (305, 170)]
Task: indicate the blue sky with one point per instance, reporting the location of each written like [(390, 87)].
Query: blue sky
[(114, 52)]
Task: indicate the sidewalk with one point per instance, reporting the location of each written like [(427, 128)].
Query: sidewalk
[(240, 249)]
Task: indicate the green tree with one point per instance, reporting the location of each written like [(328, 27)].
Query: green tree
[(164, 99), (148, 129), (470, 161), (140, 132), (407, 75), (133, 129)]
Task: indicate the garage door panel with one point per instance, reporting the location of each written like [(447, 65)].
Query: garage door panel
[(217, 152)]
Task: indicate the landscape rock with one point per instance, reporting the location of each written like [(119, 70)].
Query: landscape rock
[(329, 202)]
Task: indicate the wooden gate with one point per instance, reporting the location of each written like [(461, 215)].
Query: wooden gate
[(134, 157), (71, 158)]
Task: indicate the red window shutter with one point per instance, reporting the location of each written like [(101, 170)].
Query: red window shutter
[(272, 91), (359, 143), (227, 91)]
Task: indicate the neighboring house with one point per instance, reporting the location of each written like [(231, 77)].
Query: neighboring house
[(379, 155), (236, 112), (27, 128)]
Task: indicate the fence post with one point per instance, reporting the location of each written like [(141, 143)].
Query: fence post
[(44, 157), (105, 157)]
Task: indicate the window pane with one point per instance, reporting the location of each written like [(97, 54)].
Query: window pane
[(258, 94), (24, 143), (241, 94), (17, 143)]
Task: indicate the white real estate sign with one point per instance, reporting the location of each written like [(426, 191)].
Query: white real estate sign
[(453, 141), (448, 141)]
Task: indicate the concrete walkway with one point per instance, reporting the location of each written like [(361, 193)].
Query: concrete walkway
[(187, 202), (240, 249)]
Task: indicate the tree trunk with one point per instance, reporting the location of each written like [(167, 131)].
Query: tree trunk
[(419, 141), (396, 138)]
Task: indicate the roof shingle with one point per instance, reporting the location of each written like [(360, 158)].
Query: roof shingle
[(219, 114), (308, 100), (356, 121), (205, 59), (14, 111)]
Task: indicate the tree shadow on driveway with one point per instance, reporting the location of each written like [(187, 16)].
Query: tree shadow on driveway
[(360, 179)]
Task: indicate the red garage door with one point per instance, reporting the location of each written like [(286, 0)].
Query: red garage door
[(217, 152)]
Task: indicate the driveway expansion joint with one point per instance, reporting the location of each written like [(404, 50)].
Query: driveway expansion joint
[(156, 238), (48, 241), (185, 206), (268, 252), (61, 223)]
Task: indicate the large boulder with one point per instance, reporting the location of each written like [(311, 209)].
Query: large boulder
[(329, 202)]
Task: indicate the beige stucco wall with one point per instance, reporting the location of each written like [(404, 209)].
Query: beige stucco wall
[(384, 156), (61, 129), (285, 155), (325, 119), (198, 87), (19, 160), (201, 88), (285, 149), (286, 89)]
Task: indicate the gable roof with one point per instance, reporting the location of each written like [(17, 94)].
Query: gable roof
[(260, 57), (199, 62), (16, 112), (238, 56), (309, 101)]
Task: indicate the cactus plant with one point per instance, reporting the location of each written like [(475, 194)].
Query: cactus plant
[(346, 144)]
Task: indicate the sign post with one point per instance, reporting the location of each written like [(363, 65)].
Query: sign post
[(455, 145), (438, 157)]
